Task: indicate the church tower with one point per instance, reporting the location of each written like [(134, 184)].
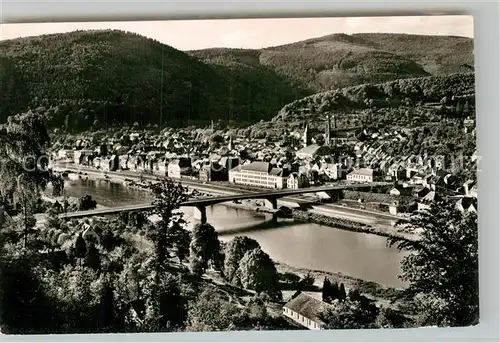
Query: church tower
[(306, 138), (327, 131), (230, 145)]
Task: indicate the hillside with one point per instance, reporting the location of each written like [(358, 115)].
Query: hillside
[(404, 102), (389, 94), (115, 77), (90, 79), (341, 60)]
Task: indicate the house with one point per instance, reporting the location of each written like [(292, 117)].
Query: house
[(416, 179), (65, 154), (397, 171), (467, 204), (420, 191), (296, 180), (305, 310), (473, 191), (96, 162), (89, 234), (178, 167), (362, 175), (469, 125), (105, 163), (212, 171), (394, 207), (431, 197), (468, 186), (308, 152), (334, 171), (79, 155), (259, 174), (400, 190), (161, 168), (123, 162)]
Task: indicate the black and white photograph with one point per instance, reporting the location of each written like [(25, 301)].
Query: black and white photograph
[(238, 174)]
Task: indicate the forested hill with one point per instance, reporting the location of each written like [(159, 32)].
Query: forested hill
[(341, 60), (106, 77), (410, 91), (102, 78)]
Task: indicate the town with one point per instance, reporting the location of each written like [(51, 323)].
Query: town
[(296, 161), (320, 184)]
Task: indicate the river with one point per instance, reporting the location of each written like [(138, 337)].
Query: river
[(301, 245)]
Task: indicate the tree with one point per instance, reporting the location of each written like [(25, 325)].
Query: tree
[(389, 319), (319, 139), (165, 306), (306, 282), (234, 252), (57, 185), (326, 290), (204, 249), (93, 257), (80, 247), (179, 240), (333, 291), (257, 272), (168, 197), (107, 309), (216, 140), (342, 292), (347, 315), (86, 203), (23, 144), (67, 122), (24, 306), (211, 312), (442, 269)]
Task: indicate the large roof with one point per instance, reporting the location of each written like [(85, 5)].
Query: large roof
[(307, 306), (363, 171), (263, 167), (309, 150)]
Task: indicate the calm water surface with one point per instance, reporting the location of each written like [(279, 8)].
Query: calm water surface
[(301, 245)]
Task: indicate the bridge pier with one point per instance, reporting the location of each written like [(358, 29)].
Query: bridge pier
[(200, 213), (271, 203)]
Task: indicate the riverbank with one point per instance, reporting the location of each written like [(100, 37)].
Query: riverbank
[(370, 288), (349, 225)]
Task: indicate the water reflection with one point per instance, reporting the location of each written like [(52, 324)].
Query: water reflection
[(302, 245)]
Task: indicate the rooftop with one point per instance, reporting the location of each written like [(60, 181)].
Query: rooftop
[(309, 150), (307, 306), (363, 171), (258, 166)]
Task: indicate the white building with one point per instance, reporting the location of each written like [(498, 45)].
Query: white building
[(296, 181), (65, 154), (334, 171), (305, 310), (161, 168), (361, 175), (259, 174), (178, 167)]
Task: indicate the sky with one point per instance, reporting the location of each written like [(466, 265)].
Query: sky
[(256, 33)]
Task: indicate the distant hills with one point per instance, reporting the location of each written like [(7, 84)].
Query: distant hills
[(103, 78), (341, 60)]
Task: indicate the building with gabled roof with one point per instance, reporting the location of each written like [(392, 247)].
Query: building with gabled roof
[(259, 174), (305, 310)]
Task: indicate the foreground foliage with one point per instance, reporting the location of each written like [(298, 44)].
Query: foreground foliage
[(442, 267)]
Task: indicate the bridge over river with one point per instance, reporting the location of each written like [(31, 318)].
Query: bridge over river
[(200, 204)]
